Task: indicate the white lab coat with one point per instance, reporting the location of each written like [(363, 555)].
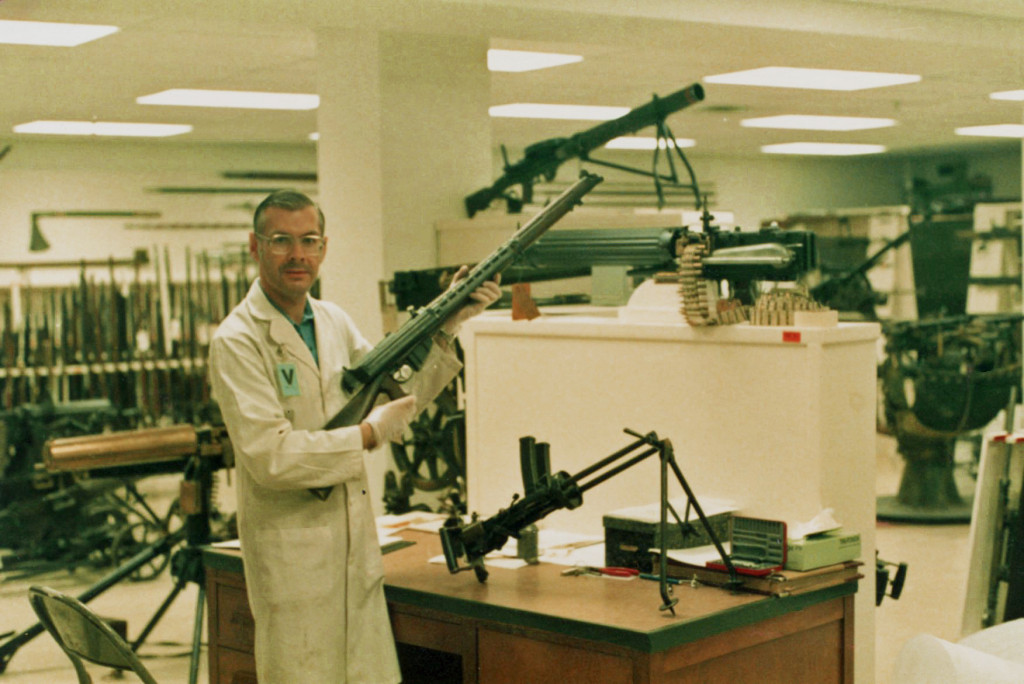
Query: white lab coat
[(313, 568)]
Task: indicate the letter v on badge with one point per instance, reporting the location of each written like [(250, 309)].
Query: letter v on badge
[(288, 379)]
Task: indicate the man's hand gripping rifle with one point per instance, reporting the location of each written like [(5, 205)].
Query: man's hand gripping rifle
[(409, 346)]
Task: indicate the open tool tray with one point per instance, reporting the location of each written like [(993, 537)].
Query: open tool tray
[(758, 546)]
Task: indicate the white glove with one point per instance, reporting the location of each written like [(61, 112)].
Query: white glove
[(482, 297), (388, 421)]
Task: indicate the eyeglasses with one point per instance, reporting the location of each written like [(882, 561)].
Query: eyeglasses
[(281, 244)]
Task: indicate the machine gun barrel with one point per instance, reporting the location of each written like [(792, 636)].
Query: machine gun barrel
[(543, 159), (409, 345)]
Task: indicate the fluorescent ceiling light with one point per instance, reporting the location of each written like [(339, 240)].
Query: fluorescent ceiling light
[(51, 33), (808, 122), (135, 130), (235, 99), (994, 131), (522, 60), (527, 110), (1013, 95), (812, 79), (824, 149), (630, 142)]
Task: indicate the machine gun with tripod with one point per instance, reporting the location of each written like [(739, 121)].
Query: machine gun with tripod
[(547, 492), (197, 453)]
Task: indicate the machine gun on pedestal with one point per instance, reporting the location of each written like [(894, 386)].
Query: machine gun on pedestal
[(546, 493), (197, 453), (740, 258)]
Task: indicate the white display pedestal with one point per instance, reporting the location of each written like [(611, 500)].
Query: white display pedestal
[(779, 420)]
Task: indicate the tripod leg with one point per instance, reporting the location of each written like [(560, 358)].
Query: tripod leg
[(197, 636), (162, 546), (175, 590)]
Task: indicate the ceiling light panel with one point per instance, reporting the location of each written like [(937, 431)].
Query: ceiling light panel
[(51, 33), (528, 110), (104, 128), (807, 122), (812, 79), (994, 131), (522, 60), (630, 142), (822, 149), (231, 99)]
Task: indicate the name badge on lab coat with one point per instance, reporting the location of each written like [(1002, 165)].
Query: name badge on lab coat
[(288, 379)]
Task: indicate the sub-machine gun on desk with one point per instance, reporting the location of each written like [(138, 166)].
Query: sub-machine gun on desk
[(409, 346), (542, 159), (547, 492)]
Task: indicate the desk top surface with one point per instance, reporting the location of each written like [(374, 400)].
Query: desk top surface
[(621, 611)]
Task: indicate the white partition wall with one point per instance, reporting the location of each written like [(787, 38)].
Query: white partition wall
[(779, 420)]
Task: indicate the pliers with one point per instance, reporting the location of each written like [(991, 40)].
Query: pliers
[(606, 572)]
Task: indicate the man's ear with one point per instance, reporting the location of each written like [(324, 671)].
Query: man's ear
[(254, 246)]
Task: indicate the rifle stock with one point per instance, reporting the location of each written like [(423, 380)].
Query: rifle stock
[(408, 346), (542, 159)]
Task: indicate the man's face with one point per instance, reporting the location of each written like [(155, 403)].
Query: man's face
[(288, 277)]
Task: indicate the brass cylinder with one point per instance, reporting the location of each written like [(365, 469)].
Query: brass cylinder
[(120, 448)]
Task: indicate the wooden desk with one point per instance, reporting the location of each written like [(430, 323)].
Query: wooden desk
[(534, 625)]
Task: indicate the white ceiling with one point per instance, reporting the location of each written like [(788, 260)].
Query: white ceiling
[(964, 49)]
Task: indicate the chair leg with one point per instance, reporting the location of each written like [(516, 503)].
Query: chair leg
[(83, 674)]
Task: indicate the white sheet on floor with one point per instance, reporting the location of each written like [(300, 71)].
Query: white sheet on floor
[(992, 656)]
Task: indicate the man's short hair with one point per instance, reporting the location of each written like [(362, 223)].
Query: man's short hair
[(290, 200)]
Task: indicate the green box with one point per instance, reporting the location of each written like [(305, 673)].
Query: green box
[(631, 534), (819, 550)]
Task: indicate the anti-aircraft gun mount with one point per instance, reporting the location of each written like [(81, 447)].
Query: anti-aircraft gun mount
[(546, 492), (940, 379)]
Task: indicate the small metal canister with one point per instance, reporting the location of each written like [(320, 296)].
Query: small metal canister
[(526, 545)]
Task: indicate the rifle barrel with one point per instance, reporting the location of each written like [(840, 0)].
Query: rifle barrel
[(396, 347)]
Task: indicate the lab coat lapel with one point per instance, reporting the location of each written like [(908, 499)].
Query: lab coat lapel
[(282, 333)]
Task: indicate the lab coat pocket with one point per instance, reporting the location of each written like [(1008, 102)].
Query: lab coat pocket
[(293, 564)]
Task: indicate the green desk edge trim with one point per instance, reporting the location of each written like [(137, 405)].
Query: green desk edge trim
[(676, 632)]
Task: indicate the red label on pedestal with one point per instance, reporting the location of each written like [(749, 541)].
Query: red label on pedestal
[(790, 336)]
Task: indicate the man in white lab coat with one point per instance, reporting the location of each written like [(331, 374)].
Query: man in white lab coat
[(313, 568)]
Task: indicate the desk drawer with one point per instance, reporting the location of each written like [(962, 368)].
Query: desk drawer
[(234, 667), (514, 659), (235, 625)]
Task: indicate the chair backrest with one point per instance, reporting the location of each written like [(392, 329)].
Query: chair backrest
[(83, 635)]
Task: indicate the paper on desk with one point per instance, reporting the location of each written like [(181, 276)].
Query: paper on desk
[(554, 543), (410, 520), (822, 522), (699, 555), (652, 512), (492, 560)]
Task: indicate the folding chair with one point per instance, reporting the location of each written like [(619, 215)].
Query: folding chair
[(83, 635)]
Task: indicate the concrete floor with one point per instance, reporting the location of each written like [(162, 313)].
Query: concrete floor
[(932, 600)]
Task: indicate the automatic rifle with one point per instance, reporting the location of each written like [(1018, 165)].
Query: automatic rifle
[(542, 159), (410, 344)]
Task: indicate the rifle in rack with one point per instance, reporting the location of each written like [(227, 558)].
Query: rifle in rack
[(542, 159), (411, 343)]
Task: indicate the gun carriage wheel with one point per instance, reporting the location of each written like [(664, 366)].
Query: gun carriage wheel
[(432, 454)]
